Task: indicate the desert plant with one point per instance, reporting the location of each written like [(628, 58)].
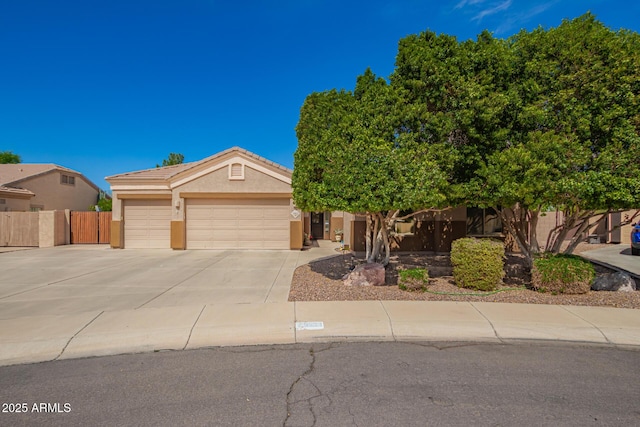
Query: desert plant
[(562, 274), (477, 263), (414, 279)]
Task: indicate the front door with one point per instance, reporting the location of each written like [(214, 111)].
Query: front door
[(317, 225)]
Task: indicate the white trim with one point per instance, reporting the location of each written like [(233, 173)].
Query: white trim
[(139, 187), (226, 163)]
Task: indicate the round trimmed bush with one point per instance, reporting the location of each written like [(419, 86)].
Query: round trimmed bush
[(477, 263), (562, 274)]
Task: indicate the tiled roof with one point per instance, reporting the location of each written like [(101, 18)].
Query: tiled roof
[(11, 173), (17, 191), (168, 172)]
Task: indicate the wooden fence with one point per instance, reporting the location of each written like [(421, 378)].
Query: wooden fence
[(19, 229), (90, 227)]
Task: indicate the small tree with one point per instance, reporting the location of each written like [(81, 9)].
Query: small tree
[(105, 204), (9, 157), (173, 159)]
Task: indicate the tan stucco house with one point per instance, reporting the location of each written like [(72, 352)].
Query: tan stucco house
[(232, 200), (239, 200), (36, 187)]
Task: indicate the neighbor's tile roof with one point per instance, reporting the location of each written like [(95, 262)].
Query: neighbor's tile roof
[(11, 190), (168, 172), (12, 173)]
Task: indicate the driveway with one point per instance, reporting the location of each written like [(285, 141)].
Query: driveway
[(81, 278), (616, 256)]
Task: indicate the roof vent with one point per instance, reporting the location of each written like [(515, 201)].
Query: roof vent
[(236, 171)]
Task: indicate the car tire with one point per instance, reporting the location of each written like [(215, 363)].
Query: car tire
[(635, 251)]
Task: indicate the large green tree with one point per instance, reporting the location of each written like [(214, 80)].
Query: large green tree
[(545, 120), (573, 134), (354, 156), (9, 157)]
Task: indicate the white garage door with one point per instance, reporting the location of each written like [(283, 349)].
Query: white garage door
[(147, 224), (237, 224)]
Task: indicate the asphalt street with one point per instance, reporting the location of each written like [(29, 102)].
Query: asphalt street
[(340, 384)]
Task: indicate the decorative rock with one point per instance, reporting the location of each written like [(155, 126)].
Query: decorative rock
[(366, 275), (439, 271), (620, 282)]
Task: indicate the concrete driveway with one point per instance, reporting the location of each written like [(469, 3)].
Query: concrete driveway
[(82, 278), (616, 256)]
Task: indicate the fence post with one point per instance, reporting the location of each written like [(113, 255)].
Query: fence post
[(67, 226), (46, 229)]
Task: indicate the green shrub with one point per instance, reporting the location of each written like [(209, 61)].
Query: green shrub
[(414, 279), (477, 263), (562, 274)]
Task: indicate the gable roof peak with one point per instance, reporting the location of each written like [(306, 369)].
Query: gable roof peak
[(169, 172)]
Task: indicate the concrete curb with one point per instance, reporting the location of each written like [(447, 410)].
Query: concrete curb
[(46, 338)]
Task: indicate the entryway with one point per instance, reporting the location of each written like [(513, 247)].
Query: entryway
[(317, 225)]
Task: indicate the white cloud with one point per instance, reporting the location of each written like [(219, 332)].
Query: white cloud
[(523, 17), (464, 3), (495, 8)]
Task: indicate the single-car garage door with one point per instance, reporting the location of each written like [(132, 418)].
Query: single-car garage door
[(147, 224), (237, 223)]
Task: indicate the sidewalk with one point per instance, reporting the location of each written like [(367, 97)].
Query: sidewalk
[(45, 337)]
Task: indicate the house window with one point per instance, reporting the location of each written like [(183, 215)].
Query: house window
[(67, 179), (405, 227), (236, 171), (483, 222), (36, 208)]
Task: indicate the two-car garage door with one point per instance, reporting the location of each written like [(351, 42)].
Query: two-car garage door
[(237, 223), (210, 224)]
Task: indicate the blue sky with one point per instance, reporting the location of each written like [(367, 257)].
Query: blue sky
[(105, 87)]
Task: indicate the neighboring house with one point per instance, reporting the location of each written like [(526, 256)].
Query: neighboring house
[(36, 187), (15, 199)]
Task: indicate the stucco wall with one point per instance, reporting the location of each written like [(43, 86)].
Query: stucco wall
[(218, 182), (51, 194), (14, 205)]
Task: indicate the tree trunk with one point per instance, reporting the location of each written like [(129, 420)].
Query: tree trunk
[(533, 232), (387, 246), (367, 237), (375, 253), (584, 226)]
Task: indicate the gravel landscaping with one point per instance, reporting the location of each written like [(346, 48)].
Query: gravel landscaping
[(322, 281)]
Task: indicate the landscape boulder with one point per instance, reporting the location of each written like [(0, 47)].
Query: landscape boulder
[(366, 275), (620, 282)]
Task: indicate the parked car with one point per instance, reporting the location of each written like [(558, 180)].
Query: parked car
[(635, 239)]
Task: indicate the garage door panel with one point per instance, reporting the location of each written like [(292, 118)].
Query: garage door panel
[(238, 223), (147, 224), (273, 234), (251, 223), (248, 214), (269, 211), (224, 214), (226, 235)]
